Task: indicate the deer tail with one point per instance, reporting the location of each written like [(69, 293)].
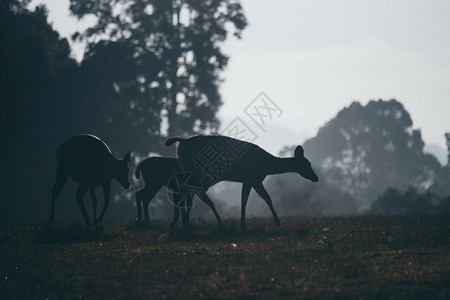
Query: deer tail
[(170, 141)]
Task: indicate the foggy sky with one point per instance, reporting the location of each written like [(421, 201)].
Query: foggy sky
[(312, 58)]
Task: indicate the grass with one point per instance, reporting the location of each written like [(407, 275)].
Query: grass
[(325, 257)]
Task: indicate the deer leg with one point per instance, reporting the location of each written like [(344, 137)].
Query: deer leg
[(179, 204), (186, 206), (204, 197), (184, 214), (94, 200), (138, 195), (189, 201), (176, 215), (143, 198), (146, 195), (106, 191), (245, 193), (82, 189), (259, 188), (60, 181)]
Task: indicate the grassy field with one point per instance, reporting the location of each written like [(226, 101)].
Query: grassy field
[(324, 257)]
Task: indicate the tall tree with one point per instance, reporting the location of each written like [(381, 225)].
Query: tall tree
[(366, 149), (154, 67), (36, 73)]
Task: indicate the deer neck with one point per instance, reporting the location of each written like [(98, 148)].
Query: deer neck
[(278, 165)]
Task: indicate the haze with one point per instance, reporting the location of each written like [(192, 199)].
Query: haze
[(315, 57)]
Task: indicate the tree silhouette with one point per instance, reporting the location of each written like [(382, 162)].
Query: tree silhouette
[(393, 201), (366, 149), (151, 68), (155, 66), (37, 106)]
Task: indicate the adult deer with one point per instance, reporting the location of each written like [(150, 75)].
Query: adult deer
[(165, 171), (90, 163), (217, 158)]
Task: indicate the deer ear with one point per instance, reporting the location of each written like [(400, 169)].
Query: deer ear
[(299, 151), (127, 157)]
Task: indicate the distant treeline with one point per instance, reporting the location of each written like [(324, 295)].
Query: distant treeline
[(363, 153), (394, 201)]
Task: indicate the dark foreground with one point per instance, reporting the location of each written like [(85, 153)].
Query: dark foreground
[(338, 257)]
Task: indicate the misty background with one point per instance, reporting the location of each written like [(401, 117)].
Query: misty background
[(135, 72)]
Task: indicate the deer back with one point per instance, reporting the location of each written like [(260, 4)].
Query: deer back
[(216, 158), (158, 170), (87, 159)]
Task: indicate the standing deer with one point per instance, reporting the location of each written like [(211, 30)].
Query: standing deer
[(89, 162), (220, 158), (165, 171)]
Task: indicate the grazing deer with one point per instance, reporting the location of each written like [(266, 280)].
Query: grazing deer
[(88, 161), (165, 171), (217, 158)]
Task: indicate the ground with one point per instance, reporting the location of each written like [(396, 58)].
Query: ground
[(353, 257)]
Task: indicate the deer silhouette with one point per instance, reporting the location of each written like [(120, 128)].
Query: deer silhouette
[(165, 171), (213, 158), (89, 162)]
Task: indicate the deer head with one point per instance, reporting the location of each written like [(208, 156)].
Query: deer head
[(303, 166), (121, 171)]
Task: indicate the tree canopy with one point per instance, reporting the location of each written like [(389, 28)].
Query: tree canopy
[(366, 149), (153, 67), (36, 75)]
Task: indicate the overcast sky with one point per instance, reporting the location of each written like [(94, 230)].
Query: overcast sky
[(312, 58)]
